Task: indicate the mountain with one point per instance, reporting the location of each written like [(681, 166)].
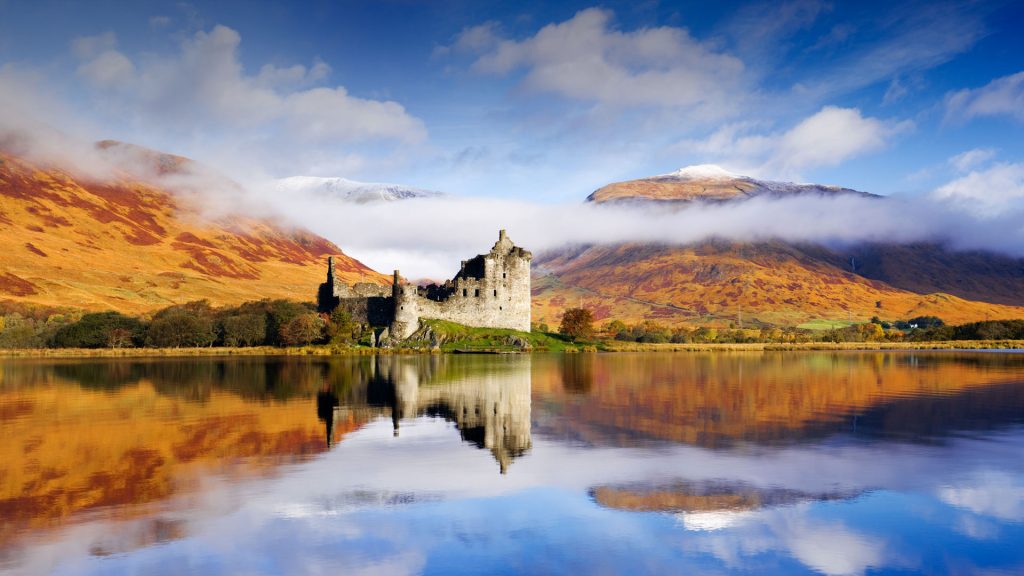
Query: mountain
[(717, 282), (139, 238), (707, 183), (351, 191)]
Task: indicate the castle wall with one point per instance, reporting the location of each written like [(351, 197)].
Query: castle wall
[(373, 310), (491, 290), (500, 298), (365, 302)]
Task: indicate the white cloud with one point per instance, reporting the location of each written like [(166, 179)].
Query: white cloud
[(110, 68), (1000, 97), (988, 192), (827, 138), (413, 245), (585, 58), (203, 93), (271, 76), (831, 548), (28, 114), (990, 493), (472, 40), (973, 158)]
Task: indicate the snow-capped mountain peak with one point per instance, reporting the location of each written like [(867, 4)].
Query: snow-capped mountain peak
[(704, 172), (350, 190)]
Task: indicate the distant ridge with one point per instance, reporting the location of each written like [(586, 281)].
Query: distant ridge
[(708, 183), (767, 283), (351, 190)]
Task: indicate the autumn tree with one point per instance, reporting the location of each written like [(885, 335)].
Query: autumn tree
[(247, 329), (303, 329), (577, 324), (652, 332), (119, 338), (612, 328), (872, 332), (180, 328), (682, 335), (17, 332)]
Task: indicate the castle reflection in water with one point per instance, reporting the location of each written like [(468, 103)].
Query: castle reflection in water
[(488, 403)]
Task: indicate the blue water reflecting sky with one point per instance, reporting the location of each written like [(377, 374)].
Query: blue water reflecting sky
[(774, 464), (425, 502)]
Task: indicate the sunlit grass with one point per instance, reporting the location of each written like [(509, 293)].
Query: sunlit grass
[(825, 324)]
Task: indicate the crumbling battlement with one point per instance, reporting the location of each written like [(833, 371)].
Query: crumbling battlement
[(490, 290)]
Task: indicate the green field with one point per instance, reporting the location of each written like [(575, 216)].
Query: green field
[(824, 324)]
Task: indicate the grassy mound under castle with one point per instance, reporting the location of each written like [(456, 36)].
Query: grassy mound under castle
[(450, 337)]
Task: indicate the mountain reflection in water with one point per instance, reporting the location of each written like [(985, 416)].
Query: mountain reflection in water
[(836, 463)]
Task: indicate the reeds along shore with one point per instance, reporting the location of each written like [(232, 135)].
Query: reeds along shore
[(610, 346), (615, 346)]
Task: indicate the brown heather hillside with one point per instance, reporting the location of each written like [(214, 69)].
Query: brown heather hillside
[(130, 246), (672, 190), (719, 282), (778, 283)]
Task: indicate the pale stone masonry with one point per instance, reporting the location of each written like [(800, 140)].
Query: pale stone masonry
[(490, 290)]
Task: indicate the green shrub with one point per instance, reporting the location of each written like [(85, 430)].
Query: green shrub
[(100, 330), (180, 328), (244, 329)]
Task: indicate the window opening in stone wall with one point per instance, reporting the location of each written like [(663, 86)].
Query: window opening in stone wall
[(503, 275), (464, 293), (476, 293), (495, 293)]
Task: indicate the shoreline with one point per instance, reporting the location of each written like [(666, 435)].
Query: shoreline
[(609, 347), (818, 346)]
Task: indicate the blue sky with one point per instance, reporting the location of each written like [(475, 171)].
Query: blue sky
[(536, 101)]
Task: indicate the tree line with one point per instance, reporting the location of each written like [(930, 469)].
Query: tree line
[(292, 323), (578, 325), (195, 324)]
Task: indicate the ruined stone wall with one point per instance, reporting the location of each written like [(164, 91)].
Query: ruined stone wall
[(362, 290), (499, 298), (374, 310), (491, 290), (365, 302)]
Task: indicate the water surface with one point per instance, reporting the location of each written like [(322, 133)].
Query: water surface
[(790, 463)]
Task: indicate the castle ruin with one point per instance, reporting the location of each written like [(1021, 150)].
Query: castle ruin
[(490, 290)]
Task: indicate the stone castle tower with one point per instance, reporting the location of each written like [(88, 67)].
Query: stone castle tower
[(490, 290)]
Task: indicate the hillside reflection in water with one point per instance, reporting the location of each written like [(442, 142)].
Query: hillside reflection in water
[(835, 463)]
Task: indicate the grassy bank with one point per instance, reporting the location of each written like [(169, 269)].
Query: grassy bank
[(492, 342), (614, 346), (206, 351)]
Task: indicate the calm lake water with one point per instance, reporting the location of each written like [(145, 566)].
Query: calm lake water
[(774, 463)]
